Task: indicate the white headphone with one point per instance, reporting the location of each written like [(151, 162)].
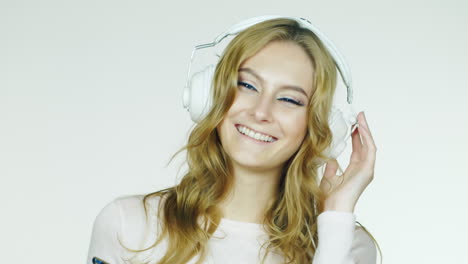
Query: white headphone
[(197, 95)]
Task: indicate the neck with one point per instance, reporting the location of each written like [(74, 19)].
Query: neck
[(252, 193)]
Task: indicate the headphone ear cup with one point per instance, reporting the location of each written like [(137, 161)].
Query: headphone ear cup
[(340, 125), (199, 94)]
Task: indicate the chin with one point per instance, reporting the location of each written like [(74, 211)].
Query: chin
[(248, 162)]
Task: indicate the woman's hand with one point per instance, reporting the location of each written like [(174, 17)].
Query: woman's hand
[(342, 192)]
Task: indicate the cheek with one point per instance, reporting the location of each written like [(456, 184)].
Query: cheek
[(222, 127), (222, 133), (239, 105), (240, 101), (296, 124)]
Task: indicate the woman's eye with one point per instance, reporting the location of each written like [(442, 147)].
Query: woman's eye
[(289, 100), (246, 85), (285, 99)]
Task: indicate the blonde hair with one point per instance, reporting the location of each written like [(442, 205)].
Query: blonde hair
[(190, 213)]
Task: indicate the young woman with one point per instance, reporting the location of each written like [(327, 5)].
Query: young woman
[(252, 192)]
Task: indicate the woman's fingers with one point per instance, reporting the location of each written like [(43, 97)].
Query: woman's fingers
[(356, 155), (367, 125), (368, 145), (327, 182), (330, 168)]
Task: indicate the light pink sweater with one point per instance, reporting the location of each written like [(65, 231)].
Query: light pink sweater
[(340, 240)]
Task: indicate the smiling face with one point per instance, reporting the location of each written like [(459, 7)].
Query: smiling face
[(267, 121)]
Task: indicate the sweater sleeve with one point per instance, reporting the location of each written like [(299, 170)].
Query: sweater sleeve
[(341, 242), (104, 238)]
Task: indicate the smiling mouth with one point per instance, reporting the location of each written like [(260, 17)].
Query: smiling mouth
[(254, 134)]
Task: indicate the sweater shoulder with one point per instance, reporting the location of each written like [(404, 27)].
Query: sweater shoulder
[(138, 218)]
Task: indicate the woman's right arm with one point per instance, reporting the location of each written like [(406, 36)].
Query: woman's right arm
[(104, 239)]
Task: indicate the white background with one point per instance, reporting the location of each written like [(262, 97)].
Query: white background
[(90, 109)]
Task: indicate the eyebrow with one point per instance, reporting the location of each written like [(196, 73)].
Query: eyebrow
[(291, 87)]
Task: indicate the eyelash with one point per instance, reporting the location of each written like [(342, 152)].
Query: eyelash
[(289, 100)]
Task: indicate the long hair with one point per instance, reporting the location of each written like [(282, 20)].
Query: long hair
[(190, 214)]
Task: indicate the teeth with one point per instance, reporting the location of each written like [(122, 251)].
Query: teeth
[(258, 136), (254, 135)]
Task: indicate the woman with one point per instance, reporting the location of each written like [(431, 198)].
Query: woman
[(252, 193)]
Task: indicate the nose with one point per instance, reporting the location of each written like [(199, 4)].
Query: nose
[(261, 109)]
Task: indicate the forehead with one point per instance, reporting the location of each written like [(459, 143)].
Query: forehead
[(282, 63)]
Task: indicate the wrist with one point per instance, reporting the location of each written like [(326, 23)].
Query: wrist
[(333, 205)]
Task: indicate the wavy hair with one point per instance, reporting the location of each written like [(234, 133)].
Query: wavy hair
[(190, 214)]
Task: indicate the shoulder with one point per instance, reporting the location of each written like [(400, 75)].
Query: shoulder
[(122, 221), (363, 248), (120, 207), (130, 216), (134, 206), (117, 212), (138, 217)]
